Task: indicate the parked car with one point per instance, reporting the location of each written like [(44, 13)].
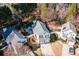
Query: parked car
[(71, 49), (77, 38)]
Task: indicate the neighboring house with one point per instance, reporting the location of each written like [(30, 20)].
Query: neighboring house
[(13, 36), (41, 32), (68, 30), (16, 41)]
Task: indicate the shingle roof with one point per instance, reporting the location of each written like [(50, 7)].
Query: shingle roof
[(69, 26), (13, 36), (40, 28)]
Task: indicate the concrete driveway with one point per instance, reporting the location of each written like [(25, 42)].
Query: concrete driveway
[(65, 50)]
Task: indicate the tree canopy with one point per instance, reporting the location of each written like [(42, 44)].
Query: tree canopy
[(5, 14)]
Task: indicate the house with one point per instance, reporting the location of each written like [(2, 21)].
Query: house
[(68, 30), (41, 32), (17, 43), (13, 36)]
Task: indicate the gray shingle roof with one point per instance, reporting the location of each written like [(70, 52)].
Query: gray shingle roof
[(15, 36), (40, 28)]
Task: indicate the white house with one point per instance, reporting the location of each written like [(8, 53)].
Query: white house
[(15, 37), (41, 32), (68, 30)]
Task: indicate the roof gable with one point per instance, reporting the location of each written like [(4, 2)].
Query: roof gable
[(68, 26), (15, 36), (40, 28)]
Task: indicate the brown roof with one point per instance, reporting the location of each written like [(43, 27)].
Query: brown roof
[(22, 50), (56, 47)]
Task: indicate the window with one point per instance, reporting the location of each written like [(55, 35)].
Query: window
[(47, 36), (64, 28), (41, 36)]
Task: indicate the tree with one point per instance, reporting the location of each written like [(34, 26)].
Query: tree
[(5, 16), (53, 37), (47, 12), (24, 7), (71, 13), (61, 10)]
